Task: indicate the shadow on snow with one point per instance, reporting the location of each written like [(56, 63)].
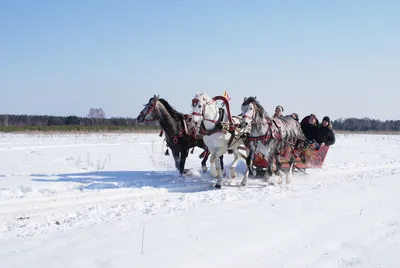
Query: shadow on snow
[(132, 179), (195, 181)]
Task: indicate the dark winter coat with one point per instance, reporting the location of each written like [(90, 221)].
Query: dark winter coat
[(310, 131), (326, 135)]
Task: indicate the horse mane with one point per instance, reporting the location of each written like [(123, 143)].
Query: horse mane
[(260, 111), (174, 113), (206, 97)]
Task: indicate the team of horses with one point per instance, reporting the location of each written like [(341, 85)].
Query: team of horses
[(215, 130)]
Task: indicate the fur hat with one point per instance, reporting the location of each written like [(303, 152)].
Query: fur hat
[(316, 123), (327, 119)]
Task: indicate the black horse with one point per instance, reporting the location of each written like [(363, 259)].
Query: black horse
[(180, 133)]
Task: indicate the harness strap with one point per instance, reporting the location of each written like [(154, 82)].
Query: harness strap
[(185, 125), (221, 114)]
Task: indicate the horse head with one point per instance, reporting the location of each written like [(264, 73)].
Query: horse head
[(149, 113), (249, 111), (198, 107)]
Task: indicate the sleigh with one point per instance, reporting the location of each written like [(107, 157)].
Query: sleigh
[(311, 158)]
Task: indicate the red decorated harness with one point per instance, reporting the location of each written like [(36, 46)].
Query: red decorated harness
[(203, 131)]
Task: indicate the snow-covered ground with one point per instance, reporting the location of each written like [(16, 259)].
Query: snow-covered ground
[(115, 200)]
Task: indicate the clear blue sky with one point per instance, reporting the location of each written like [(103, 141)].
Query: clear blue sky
[(336, 58)]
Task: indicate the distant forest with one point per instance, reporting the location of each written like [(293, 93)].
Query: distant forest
[(366, 124), (16, 123), (96, 121)]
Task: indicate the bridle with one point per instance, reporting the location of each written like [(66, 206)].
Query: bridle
[(251, 117), (195, 102), (149, 110), (268, 135)]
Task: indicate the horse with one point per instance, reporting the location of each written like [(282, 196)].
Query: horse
[(270, 137), (180, 133), (221, 133)]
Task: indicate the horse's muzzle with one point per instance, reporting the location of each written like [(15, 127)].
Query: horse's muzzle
[(140, 119)]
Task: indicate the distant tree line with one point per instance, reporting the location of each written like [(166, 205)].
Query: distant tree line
[(365, 124), (96, 121), (45, 120)]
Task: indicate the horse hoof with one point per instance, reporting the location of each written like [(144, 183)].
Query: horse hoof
[(185, 171), (204, 169), (218, 186)]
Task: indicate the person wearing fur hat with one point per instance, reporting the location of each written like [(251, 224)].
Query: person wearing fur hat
[(278, 111), (309, 126), (325, 133)]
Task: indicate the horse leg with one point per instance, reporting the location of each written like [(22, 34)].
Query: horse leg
[(221, 161), (184, 155), (177, 159), (214, 157), (234, 164), (213, 164), (290, 172), (204, 161), (249, 160), (278, 171), (270, 160), (250, 150), (270, 173), (246, 174), (233, 168)]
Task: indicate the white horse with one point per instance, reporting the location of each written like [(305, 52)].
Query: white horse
[(221, 133)]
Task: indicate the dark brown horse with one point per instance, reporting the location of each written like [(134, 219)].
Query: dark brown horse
[(179, 130)]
